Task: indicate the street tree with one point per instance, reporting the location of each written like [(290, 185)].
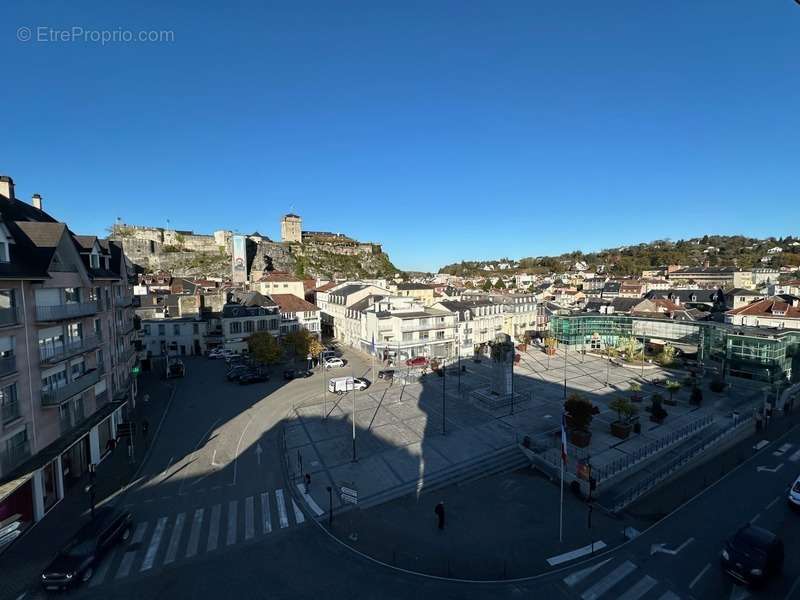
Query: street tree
[(264, 348)]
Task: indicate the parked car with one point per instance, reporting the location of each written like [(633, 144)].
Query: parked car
[(752, 555), (339, 385), (794, 494), (221, 353), (360, 383), (77, 560), (252, 377), (236, 372), (417, 361), (176, 369), (290, 374), (386, 374), (333, 362)]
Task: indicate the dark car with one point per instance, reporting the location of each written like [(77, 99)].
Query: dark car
[(78, 559), (234, 373), (290, 374), (386, 374), (752, 555), (417, 361), (252, 377)]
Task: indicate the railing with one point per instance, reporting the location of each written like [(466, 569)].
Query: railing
[(9, 315), (101, 398), (57, 312), (50, 354), (667, 470), (59, 395), (9, 412), (125, 300), (70, 419), (431, 326), (12, 456), (8, 365), (626, 462)]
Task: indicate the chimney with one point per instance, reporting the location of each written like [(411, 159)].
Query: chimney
[(37, 201), (7, 187)]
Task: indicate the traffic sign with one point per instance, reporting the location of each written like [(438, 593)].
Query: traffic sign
[(349, 495)]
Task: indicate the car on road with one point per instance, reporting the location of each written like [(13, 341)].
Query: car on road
[(221, 353), (752, 555), (333, 362), (417, 361), (236, 372), (76, 562), (289, 374), (176, 369), (386, 374), (794, 494), (252, 377), (360, 383)]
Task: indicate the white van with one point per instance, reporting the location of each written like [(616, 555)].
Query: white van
[(340, 384)]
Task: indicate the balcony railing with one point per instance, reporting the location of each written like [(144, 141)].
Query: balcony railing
[(59, 395), (9, 315), (58, 312), (9, 412), (101, 399), (71, 418), (12, 456), (125, 300), (8, 365), (54, 354), (427, 326)]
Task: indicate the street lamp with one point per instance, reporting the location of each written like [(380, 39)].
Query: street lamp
[(444, 387)]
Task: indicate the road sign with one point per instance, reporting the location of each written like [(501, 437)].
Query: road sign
[(126, 430), (349, 495)]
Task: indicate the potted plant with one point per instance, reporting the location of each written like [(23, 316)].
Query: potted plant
[(635, 389), (657, 412), (696, 396), (579, 417), (625, 410), (550, 345), (672, 387)]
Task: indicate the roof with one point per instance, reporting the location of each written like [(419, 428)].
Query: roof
[(768, 307), (689, 295), (706, 271), (291, 303), (414, 286), (279, 276), (348, 289), (624, 304), (325, 287)]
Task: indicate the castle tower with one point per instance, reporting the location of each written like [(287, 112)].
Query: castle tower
[(291, 228)]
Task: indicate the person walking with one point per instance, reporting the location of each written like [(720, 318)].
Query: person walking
[(439, 510)]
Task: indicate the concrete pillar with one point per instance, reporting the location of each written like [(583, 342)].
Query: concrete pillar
[(94, 445), (59, 479), (38, 495)]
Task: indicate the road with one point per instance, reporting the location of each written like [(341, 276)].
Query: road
[(214, 516)]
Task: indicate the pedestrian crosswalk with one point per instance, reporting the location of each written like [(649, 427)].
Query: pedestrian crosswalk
[(172, 538), (617, 579)]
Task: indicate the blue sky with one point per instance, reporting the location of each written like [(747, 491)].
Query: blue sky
[(445, 130)]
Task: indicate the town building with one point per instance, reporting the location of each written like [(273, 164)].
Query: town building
[(782, 312), (177, 336), (296, 313), (738, 297), (291, 228), (277, 282), (334, 301), (724, 277), (477, 323), (245, 314), (421, 291), (66, 355)]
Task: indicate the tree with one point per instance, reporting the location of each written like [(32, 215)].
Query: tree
[(487, 286), (579, 410), (499, 285), (315, 347), (624, 408), (672, 387), (264, 347)]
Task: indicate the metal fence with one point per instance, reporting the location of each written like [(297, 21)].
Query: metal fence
[(646, 485), (624, 463)]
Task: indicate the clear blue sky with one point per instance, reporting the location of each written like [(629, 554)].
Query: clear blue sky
[(445, 130)]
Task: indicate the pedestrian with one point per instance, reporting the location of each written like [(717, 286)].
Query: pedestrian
[(308, 482), (439, 510)]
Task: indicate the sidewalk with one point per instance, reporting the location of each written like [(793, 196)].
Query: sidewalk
[(22, 562)]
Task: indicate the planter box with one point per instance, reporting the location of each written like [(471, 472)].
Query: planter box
[(580, 438), (621, 429)]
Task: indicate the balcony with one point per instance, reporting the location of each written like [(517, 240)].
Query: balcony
[(12, 456), (9, 316), (59, 395), (125, 300), (9, 412), (50, 355), (8, 365), (60, 312), (426, 327), (101, 399), (72, 418)]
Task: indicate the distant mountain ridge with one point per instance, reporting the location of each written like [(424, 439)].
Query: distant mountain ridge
[(713, 250)]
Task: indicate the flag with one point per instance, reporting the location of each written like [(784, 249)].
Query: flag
[(564, 438)]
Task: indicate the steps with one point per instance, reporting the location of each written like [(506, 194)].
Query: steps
[(501, 461)]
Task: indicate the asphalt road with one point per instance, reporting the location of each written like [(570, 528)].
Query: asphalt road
[(214, 517)]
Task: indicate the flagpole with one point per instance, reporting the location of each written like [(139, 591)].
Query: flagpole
[(561, 507)]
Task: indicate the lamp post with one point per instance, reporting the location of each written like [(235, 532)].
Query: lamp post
[(355, 459), (444, 387), (565, 370)]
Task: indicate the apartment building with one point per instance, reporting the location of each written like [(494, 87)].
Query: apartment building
[(477, 323), (420, 291), (277, 282), (66, 355), (334, 301), (782, 312), (521, 314), (725, 277), (179, 336), (297, 313), (245, 314)]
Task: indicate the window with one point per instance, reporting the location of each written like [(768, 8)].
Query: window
[(4, 252), (75, 332), (147, 329), (98, 325), (440, 335), (262, 324), (8, 403), (249, 326), (162, 329), (72, 295), (176, 329), (424, 335), (55, 380), (407, 336), (423, 322), (273, 323), (235, 327), (7, 299), (94, 261)]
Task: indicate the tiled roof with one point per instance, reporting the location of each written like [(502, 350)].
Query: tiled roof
[(769, 306), (279, 276), (291, 303)]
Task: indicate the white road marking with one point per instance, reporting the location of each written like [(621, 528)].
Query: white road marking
[(669, 596), (152, 549), (126, 564), (214, 458), (768, 469), (699, 576), (194, 534), (578, 552), (309, 500), (238, 445), (761, 444), (609, 581), (639, 589), (795, 457), (662, 548), (782, 450), (175, 539), (755, 518), (772, 503), (267, 519), (249, 520), (213, 529), (578, 576), (232, 506), (100, 574), (298, 514), (282, 518)]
